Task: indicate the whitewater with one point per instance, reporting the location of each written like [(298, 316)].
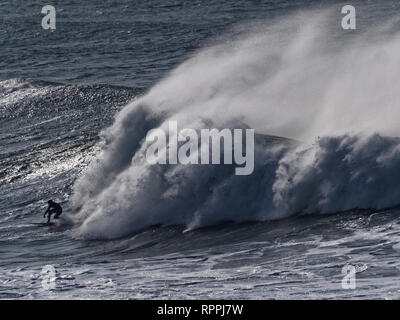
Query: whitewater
[(76, 107), (282, 80)]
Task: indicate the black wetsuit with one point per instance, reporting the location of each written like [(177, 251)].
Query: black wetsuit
[(53, 208)]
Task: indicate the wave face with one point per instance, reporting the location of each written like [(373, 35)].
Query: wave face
[(287, 78)]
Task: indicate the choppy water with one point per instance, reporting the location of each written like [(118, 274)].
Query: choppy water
[(60, 89)]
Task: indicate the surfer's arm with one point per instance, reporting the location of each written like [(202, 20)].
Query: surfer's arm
[(44, 216)]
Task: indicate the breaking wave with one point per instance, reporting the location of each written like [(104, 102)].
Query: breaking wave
[(339, 97)]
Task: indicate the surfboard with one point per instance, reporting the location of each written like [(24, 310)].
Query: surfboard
[(45, 224)]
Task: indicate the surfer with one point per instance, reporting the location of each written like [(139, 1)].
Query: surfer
[(53, 208)]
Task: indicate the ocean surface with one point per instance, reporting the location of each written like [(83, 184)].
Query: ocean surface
[(77, 102)]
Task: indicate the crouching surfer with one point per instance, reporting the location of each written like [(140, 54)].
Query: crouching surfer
[(53, 208)]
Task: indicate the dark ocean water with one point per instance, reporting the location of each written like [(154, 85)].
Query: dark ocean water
[(60, 89)]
